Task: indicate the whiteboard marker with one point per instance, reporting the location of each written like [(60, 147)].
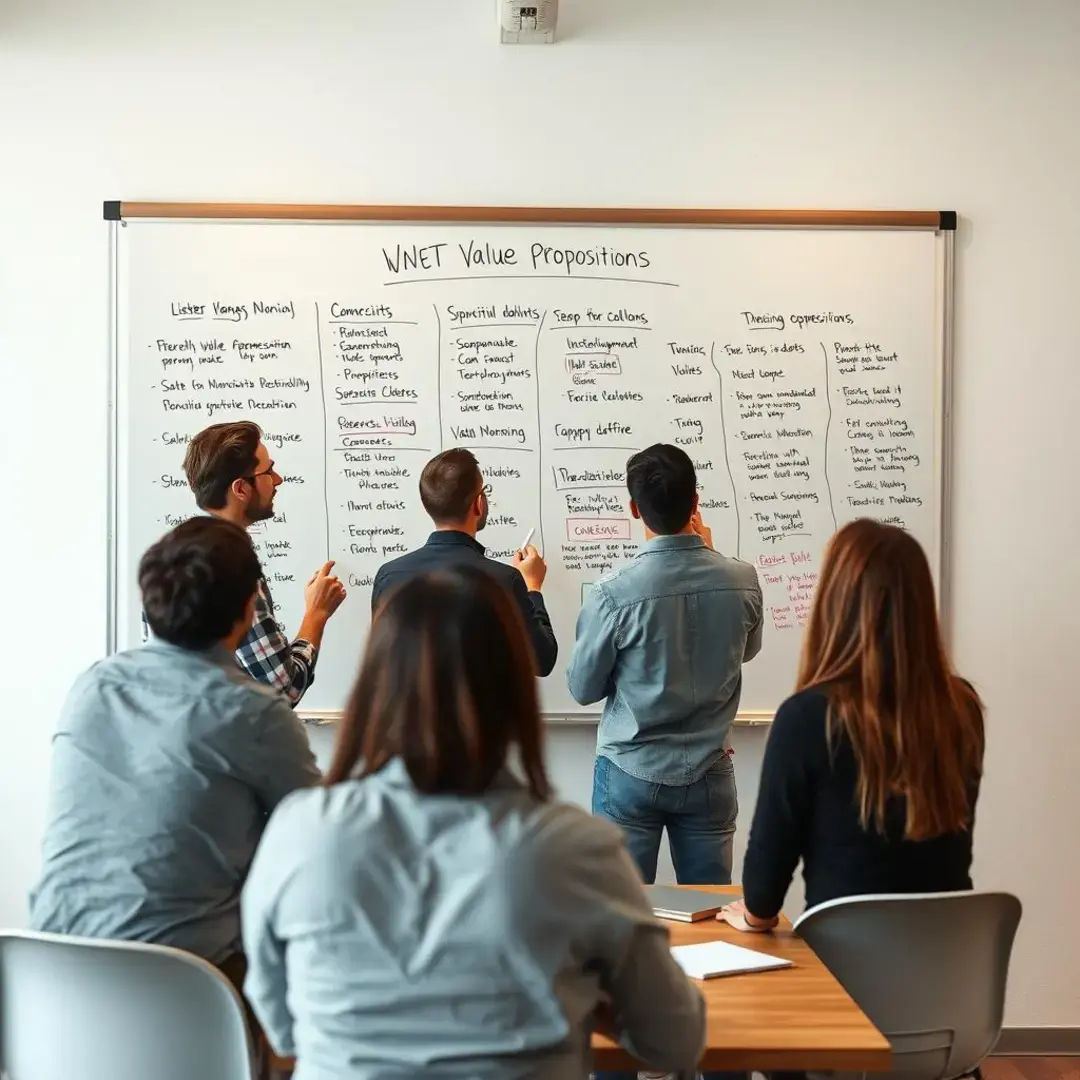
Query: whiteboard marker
[(527, 539)]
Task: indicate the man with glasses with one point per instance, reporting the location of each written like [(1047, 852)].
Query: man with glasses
[(232, 477), (454, 495)]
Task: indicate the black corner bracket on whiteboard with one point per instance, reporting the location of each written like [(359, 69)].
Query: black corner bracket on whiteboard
[(112, 210), (948, 221)]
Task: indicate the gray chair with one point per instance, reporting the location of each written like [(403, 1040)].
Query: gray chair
[(928, 969), (76, 1009)]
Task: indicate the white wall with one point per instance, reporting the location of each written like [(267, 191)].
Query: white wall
[(971, 106)]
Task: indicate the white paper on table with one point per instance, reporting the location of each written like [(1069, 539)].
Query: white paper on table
[(711, 959)]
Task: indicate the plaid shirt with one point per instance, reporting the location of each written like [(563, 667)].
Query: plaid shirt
[(267, 655)]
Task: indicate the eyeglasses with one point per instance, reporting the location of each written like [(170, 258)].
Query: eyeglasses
[(255, 476)]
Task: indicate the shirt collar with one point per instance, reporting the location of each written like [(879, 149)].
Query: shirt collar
[(679, 542), (454, 538), (216, 654)]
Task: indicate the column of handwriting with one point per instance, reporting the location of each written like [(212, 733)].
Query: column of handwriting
[(596, 363), (380, 385), (489, 406), (776, 400), (220, 360), (881, 466)]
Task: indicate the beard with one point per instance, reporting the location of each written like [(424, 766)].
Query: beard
[(262, 510)]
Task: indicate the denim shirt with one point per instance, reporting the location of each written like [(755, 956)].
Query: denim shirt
[(165, 765), (662, 641)]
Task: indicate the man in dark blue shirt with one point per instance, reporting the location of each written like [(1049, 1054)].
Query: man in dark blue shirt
[(452, 491)]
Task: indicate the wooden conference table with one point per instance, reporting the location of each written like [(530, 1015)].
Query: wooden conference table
[(796, 1018)]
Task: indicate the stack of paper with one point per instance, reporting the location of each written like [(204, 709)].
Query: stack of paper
[(710, 959)]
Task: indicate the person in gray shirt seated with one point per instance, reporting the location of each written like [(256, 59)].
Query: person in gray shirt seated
[(167, 761), (432, 910)]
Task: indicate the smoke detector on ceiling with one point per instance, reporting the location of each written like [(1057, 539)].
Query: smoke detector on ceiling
[(529, 23)]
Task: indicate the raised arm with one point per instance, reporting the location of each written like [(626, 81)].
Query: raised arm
[(531, 570)]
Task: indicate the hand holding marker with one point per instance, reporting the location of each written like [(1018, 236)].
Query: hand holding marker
[(533, 568)]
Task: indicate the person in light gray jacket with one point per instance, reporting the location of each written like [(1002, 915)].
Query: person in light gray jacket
[(431, 909)]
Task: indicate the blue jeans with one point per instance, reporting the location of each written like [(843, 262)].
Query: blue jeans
[(699, 818), (700, 822)]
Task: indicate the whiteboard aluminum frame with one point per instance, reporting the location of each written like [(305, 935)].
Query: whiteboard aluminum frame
[(944, 285)]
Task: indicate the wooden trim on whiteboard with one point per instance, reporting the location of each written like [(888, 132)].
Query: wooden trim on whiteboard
[(539, 215)]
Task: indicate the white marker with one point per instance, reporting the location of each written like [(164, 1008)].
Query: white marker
[(527, 539)]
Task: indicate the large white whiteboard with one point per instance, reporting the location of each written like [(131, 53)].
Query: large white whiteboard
[(804, 370)]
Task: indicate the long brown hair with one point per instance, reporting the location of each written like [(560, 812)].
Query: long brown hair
[(448, 685), (873, 647)]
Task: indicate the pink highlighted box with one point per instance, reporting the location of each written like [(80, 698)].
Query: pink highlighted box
[(591, 528)]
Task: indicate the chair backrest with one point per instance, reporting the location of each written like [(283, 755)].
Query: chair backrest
[(928, 969), (76, 1009)]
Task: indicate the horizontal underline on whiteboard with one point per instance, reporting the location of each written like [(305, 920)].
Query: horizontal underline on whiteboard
[(599, 326), (518, 449), (533, 277), (381, 402), (395, 449), (631, 449), (492, 325), (376, 322)]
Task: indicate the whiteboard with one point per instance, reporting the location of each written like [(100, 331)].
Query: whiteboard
[(804, 371)]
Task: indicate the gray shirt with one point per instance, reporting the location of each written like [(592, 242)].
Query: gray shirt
[(391, 934), (662, 641), (165, 766)]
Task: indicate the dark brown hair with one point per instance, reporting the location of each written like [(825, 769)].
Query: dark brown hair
[(874, 647), (448, 685), (216, 457), (448, 485), (197, 580), (662, 482)]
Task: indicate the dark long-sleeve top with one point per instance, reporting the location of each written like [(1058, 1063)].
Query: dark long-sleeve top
[(449, 547), (807, 809)]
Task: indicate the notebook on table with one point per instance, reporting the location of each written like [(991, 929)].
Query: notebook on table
[(711, 959), (685, 905)]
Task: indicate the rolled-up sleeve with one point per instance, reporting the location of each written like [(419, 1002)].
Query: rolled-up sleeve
[(268, 656)]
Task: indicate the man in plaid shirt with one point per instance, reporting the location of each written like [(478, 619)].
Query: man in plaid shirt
[(232, 476)]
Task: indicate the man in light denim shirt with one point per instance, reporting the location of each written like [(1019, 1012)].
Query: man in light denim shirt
[(662, 641)]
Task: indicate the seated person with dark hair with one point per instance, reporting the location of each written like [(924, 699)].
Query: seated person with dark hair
[(167, 761)]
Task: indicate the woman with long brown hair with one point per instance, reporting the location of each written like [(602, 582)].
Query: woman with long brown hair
[(872, 768), (431, 910)]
